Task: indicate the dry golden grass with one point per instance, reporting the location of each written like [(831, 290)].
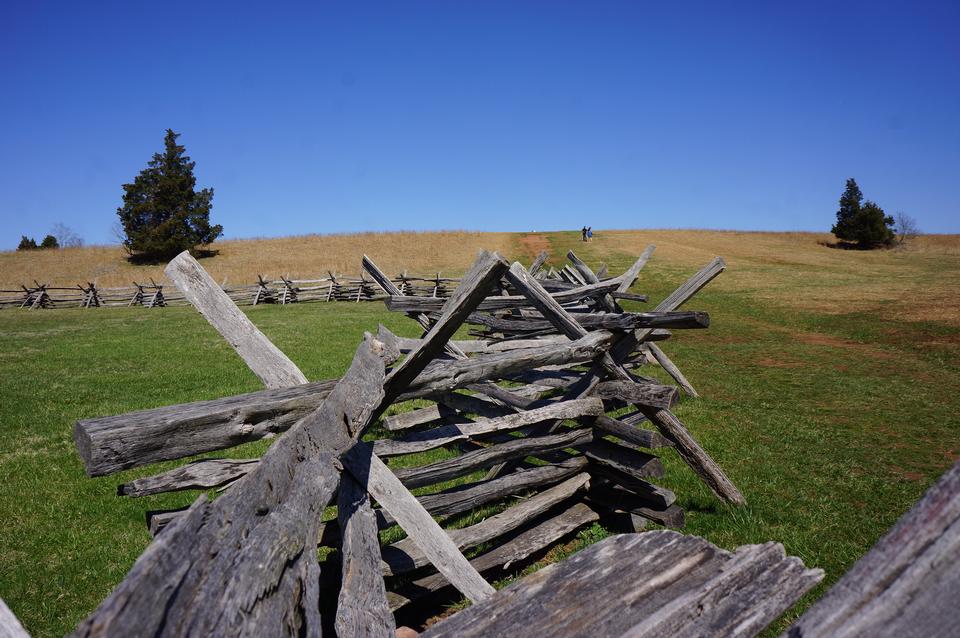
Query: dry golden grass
[(240, 261), (919, 281)]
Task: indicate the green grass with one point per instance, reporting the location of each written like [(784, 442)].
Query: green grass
[(832, 425)]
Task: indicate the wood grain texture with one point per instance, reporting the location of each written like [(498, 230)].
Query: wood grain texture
[(362, 607), (476, 284), (908, 584), (435, 544), (527, 543), (198, 475), (447, 434), (110, 444), (405, 555), (246, 564), (667, 364), (671, 585), (266, 361), (490, 456)]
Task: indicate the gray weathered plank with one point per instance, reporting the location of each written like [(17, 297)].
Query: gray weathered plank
[(490, 456), (529, 542), (447, 434), (646, 394), (435, 544), (362, 607), (667, 364), (110, 444), (630, 275), (405, 555), (476, 284), (908, 584), (265, 360), (657, 583), (199, 475)]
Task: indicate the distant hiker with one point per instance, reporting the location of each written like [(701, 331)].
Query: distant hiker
[(589, 233), (583, 232)]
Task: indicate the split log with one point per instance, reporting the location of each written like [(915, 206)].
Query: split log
[(676, 586), (634, 463), (645, 394), (404, 556), (630, 276), (609, 496), (630, 433), (907, 584), (665, 362), (199, 475), (435, 544), (447, 434), (538, 262), (620, 322), (362, 607), (265, 359), (526, 544), (110, 444), (490, 456)]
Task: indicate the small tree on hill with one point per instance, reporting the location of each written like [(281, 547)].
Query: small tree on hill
[(906, 227), (162, 214), (27, 243), (866, 224), (49, 242)]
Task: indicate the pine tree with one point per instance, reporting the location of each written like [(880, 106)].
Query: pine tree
[(849, 209), (866, 224), (49, 242), (27, 243), (162, 214)]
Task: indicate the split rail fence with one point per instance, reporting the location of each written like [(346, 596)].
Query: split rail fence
[(282, 291)]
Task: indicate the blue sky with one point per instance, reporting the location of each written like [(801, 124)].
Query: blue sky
[(338, 117)]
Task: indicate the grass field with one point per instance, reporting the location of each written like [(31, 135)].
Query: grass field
[(829, 379)]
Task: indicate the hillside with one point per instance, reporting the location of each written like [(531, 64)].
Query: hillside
[(790, 269)]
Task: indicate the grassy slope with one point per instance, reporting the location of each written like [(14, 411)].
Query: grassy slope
[(826, 398)]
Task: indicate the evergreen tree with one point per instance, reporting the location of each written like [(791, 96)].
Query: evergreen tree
[(873, 227), (866, 224), (849, 209), (49, 242), (27, 243), (162, 214)]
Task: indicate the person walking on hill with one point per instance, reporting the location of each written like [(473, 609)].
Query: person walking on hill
[(583, 233), (589, 233)]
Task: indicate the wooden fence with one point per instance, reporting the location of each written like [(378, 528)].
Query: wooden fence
[(282, 291)]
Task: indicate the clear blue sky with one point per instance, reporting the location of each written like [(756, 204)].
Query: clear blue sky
[(332, 117)]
